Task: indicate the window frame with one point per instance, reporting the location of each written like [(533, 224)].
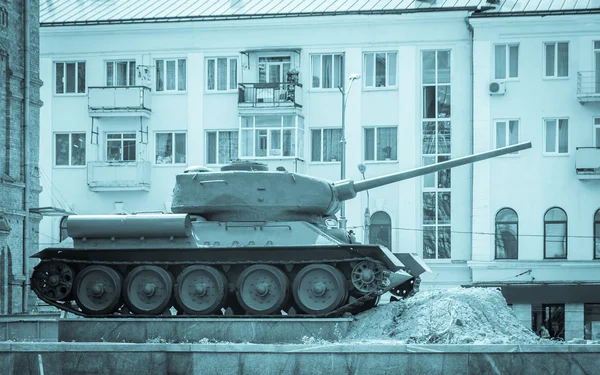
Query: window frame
[(545, 61), (507, 56), (387, 226), (70, 148), (496, 233), (374, 75), (596, 130), (173, 147), (375, 142), (507, 134), (596, 244), (229, 83), (566, 224), (122, 139), (218, 132), (321, 158), (557, 142), (297, 132), (342, 71), (165, 90), (76, 92), (129, 73)]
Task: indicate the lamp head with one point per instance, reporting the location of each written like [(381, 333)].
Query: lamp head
[(354, 76)]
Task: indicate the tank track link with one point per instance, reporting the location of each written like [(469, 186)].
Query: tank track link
[(357, 305)]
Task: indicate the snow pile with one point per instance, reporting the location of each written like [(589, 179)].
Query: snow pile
[(451, 316)]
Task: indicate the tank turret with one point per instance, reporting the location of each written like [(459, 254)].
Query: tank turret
[(249, 192), (242, 240)]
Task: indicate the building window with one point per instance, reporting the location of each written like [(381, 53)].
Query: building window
[(3, 17), (221, 74), (120, 147), (507, 234), (171, 75), (69, 149), (170, 148), (597, 123), (381, 143), (436, 148), (506, 61), (555, 234), (325, 144), (70, 77), (271, 136), (507, 133), (556, 134), (380, 229), (221, 146), (591, 321), (380, 69), (327, 71), (556, 59), (597, 235), (548, 321), (120, 73)]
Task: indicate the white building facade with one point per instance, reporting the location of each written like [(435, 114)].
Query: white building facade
[(128, 105)]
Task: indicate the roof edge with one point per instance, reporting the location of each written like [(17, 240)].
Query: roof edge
[(543, 13), (261, 16)]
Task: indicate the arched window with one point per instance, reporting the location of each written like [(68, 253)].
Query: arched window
[(555, 234), (507, 234), (597, 235), (380, 232)]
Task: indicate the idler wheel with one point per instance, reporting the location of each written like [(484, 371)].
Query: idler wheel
[(319, 289), (200, 290), (262, 289), (98, 290), (367, 276), (52, 280), (148, 290)]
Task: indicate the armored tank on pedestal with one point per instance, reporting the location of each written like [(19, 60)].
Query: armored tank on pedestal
[(241, 241)]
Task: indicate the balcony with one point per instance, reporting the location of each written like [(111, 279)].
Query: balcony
[(118, 176), (111, 101), (588, 86), (587, 163), (269, 95)]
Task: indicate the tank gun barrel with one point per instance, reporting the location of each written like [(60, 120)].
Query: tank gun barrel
[(347, 189)]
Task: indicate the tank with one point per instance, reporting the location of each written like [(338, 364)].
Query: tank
[(242, 241)]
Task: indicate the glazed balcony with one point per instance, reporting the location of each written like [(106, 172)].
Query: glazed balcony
[(118, 175), (267, 95), (588, 86), (587, 163), (119, 101)]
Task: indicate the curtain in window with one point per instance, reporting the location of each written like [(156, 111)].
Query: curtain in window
[(550, 58), (81, 77), (62, 149), (109, 74), (555, 233), (327, 69), (563, 136), (513, 61), (563, 60), (171, 75), (60, 78), (181, 75), (316, 70), (164, 148), (380, 60), (180, 148), (232, 74), (247, 142), (288, 142), (513, 132), (211, 148), (70, 78), (222, 74), (597, 235), (160, 71), (387, 140), (122, 73), (370, 144), (506, 234), (228, 147), (211, 75), (500, 61), (331, 144)]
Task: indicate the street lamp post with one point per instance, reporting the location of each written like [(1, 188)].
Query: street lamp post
[(362, 169), (345, 93)]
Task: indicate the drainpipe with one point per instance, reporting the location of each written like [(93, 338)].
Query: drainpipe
[(471, 120), (26, 141)]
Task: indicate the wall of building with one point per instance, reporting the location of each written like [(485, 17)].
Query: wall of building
[(12, 142)]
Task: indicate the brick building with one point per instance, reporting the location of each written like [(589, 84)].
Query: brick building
[(19, 148)]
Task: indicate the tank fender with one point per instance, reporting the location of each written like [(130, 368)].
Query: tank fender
[(413, 263), (129, 226)]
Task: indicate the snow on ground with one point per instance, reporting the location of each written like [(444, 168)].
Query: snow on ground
[(449, 316)]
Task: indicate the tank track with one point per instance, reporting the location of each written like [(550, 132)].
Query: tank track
[(352, 305)]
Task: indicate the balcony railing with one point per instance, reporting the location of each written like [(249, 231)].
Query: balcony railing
[(118, 176), (120, 101), (270, 94), (588, 86), (587, 162)]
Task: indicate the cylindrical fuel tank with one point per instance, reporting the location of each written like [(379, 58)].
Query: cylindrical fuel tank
[(129, 226)]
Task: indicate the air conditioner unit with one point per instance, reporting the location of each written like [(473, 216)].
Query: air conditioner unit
[(497, 88)]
